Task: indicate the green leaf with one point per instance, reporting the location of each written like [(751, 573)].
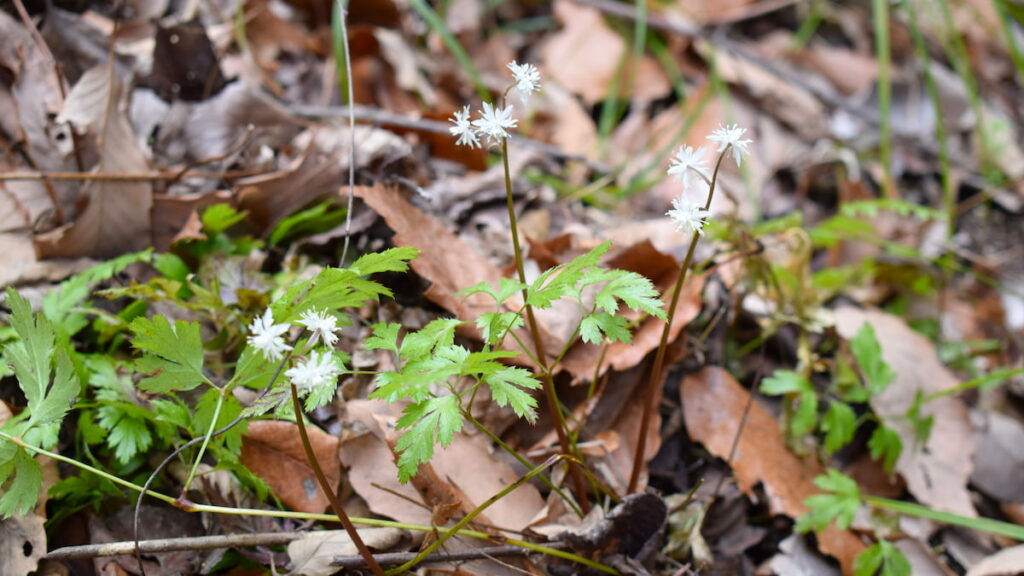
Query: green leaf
[(562, 280), (838, 505), (205, 408), (175, 354), (595, 326), (785, 382), (868, 353), (433, 421), (806, 415), (633, 290), (507, 387), (22, 493), (881, 555), (437, 333), (391, 260), (885, 445), (506, 288), (385, 337), (220, 217), (319, 218), (32, 358), (495, 325), (839, 425), (128, 434), (922, 425)]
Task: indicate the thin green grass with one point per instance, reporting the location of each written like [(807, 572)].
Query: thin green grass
[(880, 11)]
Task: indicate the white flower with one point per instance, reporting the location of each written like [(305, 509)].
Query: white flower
[(494, 123), (527, 79), (688, 215), (266, 336), (730, 136), (464, 129), (688, 163), (318, 371), (322, 325)]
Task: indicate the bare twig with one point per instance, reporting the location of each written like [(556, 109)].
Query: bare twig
[(379, 117), (174, 545), (394, 558), (128, 176)]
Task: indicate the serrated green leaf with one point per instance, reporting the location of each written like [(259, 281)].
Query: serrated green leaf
[(220, 217), (175, 359), (385, 337), (868, 352), (784, 382), (562, 280), (437, 333), (885, 445), (922, 425), (495, 325), (838, 505), (21, 495), (32, 358), (882, 555), (839, 425), (595, 326), (391, 260), (806, 415), (507, 386), (633, 290), (128, 433), (433, 421)]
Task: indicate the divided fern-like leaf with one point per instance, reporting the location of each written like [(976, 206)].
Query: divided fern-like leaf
[(433, 421), (175, 354), (507, 388)]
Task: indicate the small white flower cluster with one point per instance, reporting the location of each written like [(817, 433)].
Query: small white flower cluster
[(495, 122), (689, 167), (313, 375)]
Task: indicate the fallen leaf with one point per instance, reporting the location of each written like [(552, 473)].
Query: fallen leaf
[(320, 170), (797, 558), (116, 219), (714, 403), (22, 544), (1006, 562), (999, 455), (469, 464), (22, 267), (584, 57), (314, 553), (273, 451), (936, 473)]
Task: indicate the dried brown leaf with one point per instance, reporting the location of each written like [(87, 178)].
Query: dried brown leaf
[(116, 219), (584, 57), (1006, 562), (936, 473), (273, 451), (714, 403), (314, 553)]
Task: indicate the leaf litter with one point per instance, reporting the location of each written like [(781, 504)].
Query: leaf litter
[(235, 126)]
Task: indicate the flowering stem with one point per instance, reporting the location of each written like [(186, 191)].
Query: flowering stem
[(206, 440), (328, 490), (557, 418), (656, 376)]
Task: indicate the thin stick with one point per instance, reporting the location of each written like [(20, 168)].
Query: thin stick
[(174, 545), (127, 176)]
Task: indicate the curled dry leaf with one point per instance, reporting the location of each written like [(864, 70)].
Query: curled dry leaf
[(273, 451), (936, 473), (116, 218), (714, 403)]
